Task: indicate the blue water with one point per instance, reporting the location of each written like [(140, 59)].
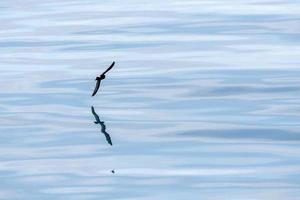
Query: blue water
[(203, 102)]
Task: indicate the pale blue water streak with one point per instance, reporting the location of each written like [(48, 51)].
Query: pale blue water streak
[(203, 102)]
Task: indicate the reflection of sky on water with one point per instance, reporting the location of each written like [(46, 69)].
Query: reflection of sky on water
[(203, 100)]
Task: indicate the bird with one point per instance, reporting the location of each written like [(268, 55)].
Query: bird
[(103, 127), (100, 78), (113, 171)]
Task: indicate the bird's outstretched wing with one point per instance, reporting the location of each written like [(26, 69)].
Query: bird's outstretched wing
[(95, 115), (111, 66), (96, 87), (103, 130), (108, 139)]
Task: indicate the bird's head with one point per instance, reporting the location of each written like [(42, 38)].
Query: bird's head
[(102, 76)]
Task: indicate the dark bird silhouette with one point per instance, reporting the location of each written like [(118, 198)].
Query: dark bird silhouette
[(103, 127), (100, 78), (113, 171)]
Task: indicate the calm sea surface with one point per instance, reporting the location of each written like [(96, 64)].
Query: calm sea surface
[(203, 102)]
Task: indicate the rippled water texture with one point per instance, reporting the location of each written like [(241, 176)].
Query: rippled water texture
[(203, 102)]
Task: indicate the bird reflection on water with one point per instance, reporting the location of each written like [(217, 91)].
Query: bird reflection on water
[(103, 127)]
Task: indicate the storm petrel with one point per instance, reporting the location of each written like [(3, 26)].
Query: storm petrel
[(100, 78)]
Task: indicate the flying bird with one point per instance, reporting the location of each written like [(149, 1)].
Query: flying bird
[(100, 78), (103, 127)]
